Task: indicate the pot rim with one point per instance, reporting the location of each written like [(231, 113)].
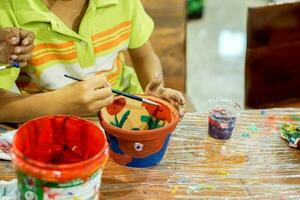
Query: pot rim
[(100, 155)]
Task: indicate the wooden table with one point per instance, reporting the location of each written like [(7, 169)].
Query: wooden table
[(254, 164)]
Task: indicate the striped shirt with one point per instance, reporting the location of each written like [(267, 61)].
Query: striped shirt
[(108, 28)]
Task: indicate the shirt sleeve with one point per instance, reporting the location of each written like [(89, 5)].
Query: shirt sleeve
[(141, 26), (7, 76)]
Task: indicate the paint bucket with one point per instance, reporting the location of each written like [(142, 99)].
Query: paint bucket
[(59, 157), (223, 114), (138, 134)]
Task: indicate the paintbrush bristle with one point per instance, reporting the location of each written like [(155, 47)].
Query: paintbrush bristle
[(150, 102)]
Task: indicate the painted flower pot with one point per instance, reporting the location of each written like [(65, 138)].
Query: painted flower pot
[(59, 157), (138, 134)]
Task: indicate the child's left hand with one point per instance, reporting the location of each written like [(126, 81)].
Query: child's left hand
[(16, 46), (176, 98)]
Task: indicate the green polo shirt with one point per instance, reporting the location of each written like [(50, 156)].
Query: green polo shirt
[(107, 28)]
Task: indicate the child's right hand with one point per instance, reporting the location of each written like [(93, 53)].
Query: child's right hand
[(16, 45), (85, 98)]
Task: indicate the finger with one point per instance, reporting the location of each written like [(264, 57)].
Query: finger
[(181, 111), (6, 50), (10, 35), (177, 96), (102, 93), (98, 105), (174, 103), (96, 82), (14, 36), (27, 37), (23, 49), (167, 98), (153, 85), (3, 34), (21, 57), (180, 108)]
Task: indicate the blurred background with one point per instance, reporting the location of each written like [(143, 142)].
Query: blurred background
[(208, 47), (216, 46)]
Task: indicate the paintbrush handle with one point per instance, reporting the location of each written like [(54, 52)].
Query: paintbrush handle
[(127, 95), (120, 93), (15, 64), (113, 90)]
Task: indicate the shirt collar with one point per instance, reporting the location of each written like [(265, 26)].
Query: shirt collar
[(30, 11), (105, 3), (36, 11)]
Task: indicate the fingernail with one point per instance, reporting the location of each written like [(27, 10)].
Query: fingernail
[(25, 42), (13, 57), (14, 40), (108, 84), (181, 114), (182, 102), (17, 50)]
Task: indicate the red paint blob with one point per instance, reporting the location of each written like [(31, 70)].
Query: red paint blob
[(161, 111), (116, 106)]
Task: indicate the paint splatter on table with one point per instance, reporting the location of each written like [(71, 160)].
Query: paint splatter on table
[(254, 164)]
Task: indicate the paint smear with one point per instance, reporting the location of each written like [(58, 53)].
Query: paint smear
[(263, 112), (3, 130), (174, 189), (222, 173), (253, 128), (246, 135), (182, 181), (296, 118), (199, 187)]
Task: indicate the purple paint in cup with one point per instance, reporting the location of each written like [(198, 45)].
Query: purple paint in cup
[(223, 114)]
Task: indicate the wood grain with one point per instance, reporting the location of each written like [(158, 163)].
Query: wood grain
[(254, 164)]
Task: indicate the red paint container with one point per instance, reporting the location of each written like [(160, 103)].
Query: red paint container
[(59, 157)]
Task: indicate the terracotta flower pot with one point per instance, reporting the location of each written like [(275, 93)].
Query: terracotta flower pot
[(138, 134)]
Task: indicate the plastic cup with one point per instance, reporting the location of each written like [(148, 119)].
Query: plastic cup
[(223, 114)]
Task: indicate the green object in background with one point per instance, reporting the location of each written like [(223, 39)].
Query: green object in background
[(195, 8)]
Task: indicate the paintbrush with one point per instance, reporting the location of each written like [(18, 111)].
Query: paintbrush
[(16, 65), (147, 101)]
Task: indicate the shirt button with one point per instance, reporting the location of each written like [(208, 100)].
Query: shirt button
[(83, 43)]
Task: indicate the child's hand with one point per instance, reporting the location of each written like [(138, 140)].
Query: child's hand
[(16, 46), (174, 97), (86, 97)]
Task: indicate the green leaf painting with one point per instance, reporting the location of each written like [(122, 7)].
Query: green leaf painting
[(124, 118), (152, 122)]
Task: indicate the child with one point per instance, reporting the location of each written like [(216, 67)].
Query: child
[(84, 39)]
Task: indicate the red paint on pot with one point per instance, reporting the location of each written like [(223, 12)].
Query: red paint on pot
[(117, 106), (161, 111)]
